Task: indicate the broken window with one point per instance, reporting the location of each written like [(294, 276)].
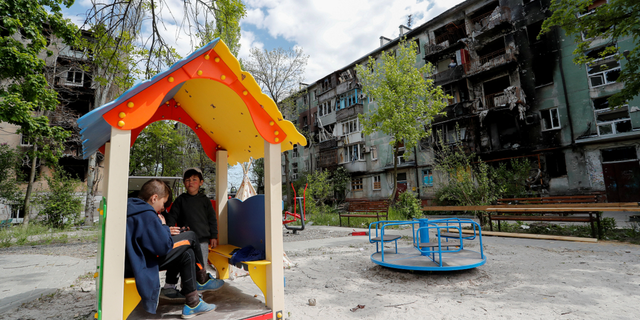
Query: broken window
[(533, 30), (295, 151), (542, 70), (374, 153), (351, 126), (294, 171), (356, 184), (377, 185), (604, 70), (611, 120), (592, 7), (427, 177), (550, 119), (402, 177), (556, 165), (619, 154), (74, 78), (354, 152), (24, 141)]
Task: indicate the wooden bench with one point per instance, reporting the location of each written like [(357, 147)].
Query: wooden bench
[(541, 209), (366, 209)]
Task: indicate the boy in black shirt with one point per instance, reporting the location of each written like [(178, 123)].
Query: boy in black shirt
[(194, 210)]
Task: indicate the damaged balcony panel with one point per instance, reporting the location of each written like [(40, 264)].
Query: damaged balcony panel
[(448, 76), (349, 112), (446, 37), (332, 143), (328, 158), (490, 61), (489, 20)]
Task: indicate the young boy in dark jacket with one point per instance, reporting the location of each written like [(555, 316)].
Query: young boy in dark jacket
[(151, 247), (194, 210)]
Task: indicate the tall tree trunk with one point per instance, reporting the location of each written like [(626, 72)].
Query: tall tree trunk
[(395, 174), (89, 208), (27, 197)]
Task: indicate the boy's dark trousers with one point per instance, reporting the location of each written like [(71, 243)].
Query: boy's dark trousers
[(184, 259)]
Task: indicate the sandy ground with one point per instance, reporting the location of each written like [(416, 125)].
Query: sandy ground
[(522, 279)]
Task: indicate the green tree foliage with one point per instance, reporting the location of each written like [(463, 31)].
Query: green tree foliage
[(226, 25), (257, 174), (157, 151), (406, 99), (25, 94), (61, 206), (322, 188), (464, 180), (513, 177), (8, 184), (408, 205), (614, 20)]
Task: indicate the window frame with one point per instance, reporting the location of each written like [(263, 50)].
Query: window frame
[(374, 182), (357, 182), (543, 123), (73, 82)]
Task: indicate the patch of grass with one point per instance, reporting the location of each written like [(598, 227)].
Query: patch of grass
[(38, 234)]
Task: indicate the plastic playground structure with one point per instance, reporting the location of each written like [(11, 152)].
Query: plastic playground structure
[(437, 245)]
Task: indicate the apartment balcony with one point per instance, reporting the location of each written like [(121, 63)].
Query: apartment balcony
[(352, 138), (490, 61), (510, 95), (445, 40), (447, 76), (327, 119), (489, 20), (329, 144), (328, 158), (355, 166), (349, 112)]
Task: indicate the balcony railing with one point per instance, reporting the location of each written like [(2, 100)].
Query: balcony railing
[(490, 60), (332, 143), (448, 75), (349, 112), (502, 99), (489, 20), (444, 41)]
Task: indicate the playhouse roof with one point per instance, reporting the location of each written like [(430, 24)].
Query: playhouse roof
[(208, 92)]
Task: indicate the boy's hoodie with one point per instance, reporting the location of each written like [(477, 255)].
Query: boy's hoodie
[(197, 213), (147, 239)]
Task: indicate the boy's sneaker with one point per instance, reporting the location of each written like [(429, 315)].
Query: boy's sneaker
[(210, 285), (171, 295), (202, 307)]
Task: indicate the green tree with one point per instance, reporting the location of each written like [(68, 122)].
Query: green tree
[(406, 99), (8, 184), (279, 73), (226, 25), (61, 207), (157, 151), (25, 94), (614, 20)]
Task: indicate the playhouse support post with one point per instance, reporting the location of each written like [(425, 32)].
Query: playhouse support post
[(117, 175), (273, 226), (221, 196)]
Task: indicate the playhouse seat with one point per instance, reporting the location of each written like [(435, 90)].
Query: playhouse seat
[(219, 257), (131, 297)]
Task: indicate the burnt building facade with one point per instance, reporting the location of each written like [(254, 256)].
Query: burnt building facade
[(514, 94)]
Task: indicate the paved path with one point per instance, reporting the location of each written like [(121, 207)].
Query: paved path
[(27, 277)]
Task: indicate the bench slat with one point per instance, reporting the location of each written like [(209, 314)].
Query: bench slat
[(544, 218)]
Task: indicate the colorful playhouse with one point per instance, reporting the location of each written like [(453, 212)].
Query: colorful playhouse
[(235, 121)]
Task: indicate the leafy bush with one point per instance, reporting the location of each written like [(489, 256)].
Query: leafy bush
[(408, 205), (61, 206), (8, 185), (608, 224)]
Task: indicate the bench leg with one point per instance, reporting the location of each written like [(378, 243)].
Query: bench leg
[(221, 263), (499, 228), (490, 223), (131, 297), (258, 274), (340, 218)]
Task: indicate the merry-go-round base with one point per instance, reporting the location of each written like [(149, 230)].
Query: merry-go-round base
[(411, 259)]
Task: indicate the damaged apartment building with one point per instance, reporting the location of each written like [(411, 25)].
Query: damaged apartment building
[(514, 95), (67, 73)]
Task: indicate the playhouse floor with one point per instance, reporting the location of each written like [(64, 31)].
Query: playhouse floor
[(238, 299)]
